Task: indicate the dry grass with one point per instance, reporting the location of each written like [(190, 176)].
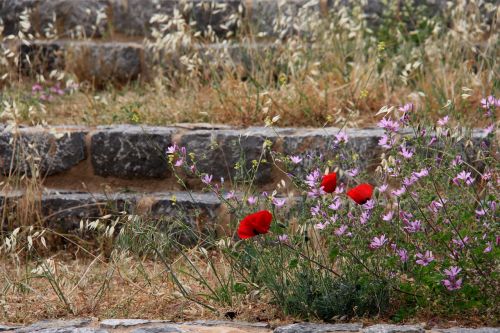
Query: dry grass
[(340, 70), (124, 287)]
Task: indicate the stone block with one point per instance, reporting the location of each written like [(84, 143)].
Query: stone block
[(131, 151), (218, 152), (53, 152)]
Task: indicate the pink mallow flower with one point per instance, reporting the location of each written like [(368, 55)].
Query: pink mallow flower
[(296, 159), (406, 153), (341, 230), (443, 121), (279, 202), (466, 177), (283, 238), (378, 242), (452, 284), (424, 259), (389, 125), (207, 179), (341, 137), (388, 217), (403, 255), (252, 200)]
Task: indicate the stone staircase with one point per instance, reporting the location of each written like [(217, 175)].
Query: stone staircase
[(90, 172), (109, 40)]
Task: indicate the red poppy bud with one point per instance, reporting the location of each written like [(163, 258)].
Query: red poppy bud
[(255, 224), (329, 182), (361, 193)]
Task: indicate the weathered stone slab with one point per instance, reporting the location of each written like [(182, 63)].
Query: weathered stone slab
[(73, 330), (52, 151), (469, 330), (168, 328), (101, 63), (312, 144), (218, 152), (54, 325), (131, 151), (282, 18), (132, 17), (65, 210), (4, 328), (116, 323), (222, 16), (69, 18), (229, 323), (388, 328), (318, 328)]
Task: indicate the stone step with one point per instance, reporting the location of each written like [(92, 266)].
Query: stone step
[(108, 18), (102, 62), (211, 326), (66, 211), (134, 157)]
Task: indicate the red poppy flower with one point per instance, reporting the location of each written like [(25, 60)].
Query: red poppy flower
[(361, 193), (329, 182), (255, 224)]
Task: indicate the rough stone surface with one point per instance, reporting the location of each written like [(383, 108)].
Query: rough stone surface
[(72, 17), (53, 152), (59, 326), (10, 11), (313, 144), (132, 17), (227, 323), (101, 63), (131, 151), (387, 328), (65, 210), (212, 326), (318, 328), (115, 323), (4, 328), (281, 18), (168, 328), (221, 15), (470, 330), (72, 330), (217, 152)]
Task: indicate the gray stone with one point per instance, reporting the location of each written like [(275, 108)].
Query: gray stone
[(281, 18), (388, 328), (197, 211), (218, 152), (10, 11), (469, 330), (101, 63), (169, 328), (73, 330), (131, 151), (51, 152), (222, 16), (73, 18), (64, 210), (115, 323), (132, 17), (227, 323), (313, 144), (4, 328), (53, 325), (318, 328)]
